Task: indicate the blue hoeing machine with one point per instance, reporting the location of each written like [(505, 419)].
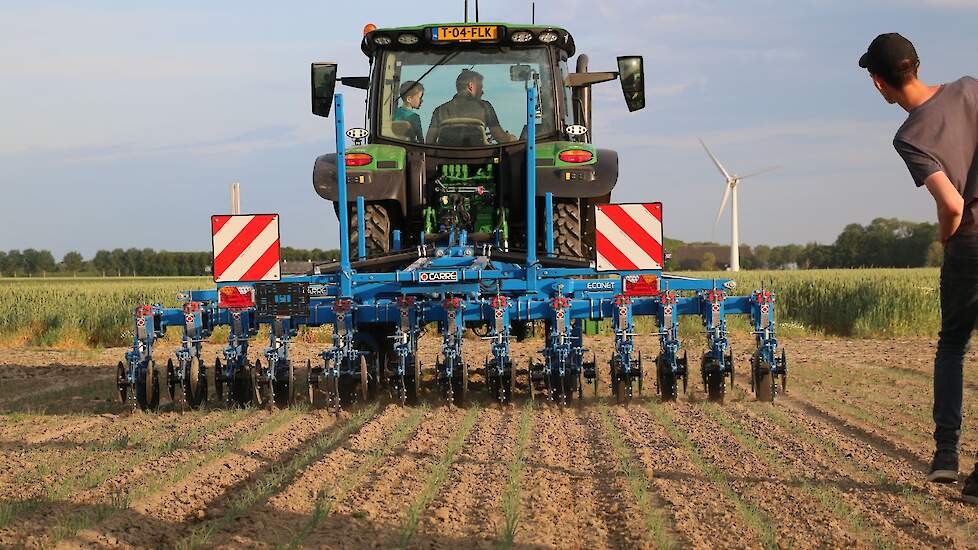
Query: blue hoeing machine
[(378, 317)]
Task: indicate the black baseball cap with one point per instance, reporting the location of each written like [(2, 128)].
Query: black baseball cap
[(886, 52)]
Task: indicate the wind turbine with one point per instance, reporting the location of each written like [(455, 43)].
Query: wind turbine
[(731, 185)]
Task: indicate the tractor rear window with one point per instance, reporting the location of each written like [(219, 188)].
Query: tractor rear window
[(464, 98)]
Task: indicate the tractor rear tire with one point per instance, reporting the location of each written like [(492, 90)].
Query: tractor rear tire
[(568, 229), (378, 226)]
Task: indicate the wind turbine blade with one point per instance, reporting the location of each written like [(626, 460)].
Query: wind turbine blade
[(715, 161), (723, 204), (759, 172)]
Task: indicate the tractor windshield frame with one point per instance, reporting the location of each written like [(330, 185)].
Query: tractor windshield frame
[(392, 67)]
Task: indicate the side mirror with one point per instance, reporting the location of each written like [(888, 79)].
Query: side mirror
[(323, 86), (520, 73), (632, 75)]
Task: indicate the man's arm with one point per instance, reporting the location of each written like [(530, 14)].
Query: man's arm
[(500, 135), (432, 135), (495, 129), (950, 203)]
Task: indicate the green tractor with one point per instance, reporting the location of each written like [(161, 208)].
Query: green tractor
[(444, 144)]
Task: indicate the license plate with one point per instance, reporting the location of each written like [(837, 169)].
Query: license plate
[(464, 33)]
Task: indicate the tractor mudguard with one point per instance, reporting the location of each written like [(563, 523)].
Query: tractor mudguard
[(589, 181), (378, 185)]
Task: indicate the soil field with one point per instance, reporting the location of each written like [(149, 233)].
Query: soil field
[(837, 462)]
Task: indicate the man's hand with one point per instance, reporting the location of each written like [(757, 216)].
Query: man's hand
[(950, 203), (501, 136)]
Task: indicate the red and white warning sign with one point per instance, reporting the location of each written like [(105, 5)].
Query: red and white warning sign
[(246, 248), (628, 236)]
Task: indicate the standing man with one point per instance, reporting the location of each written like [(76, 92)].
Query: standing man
[(939, 143)]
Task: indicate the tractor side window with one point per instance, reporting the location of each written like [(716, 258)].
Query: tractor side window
[(568, 94), (464, 98)]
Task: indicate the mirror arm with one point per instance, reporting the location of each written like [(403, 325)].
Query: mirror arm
[(361, 82), (576, 80)]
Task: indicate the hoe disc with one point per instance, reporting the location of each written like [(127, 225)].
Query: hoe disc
[(122, 381), (666, 379)]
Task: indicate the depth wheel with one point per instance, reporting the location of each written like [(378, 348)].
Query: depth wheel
[(148, 388), (194, 383), (239, 387), (715, 386), (666, 379), (284, 390)]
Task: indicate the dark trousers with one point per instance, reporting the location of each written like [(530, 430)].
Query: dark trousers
[(959, 313)]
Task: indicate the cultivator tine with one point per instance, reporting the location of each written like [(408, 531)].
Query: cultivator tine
[(500, 373), (277, 378), (405, 350), (767, 367), (715, 364), (626, 361), (452, 372), (218, 380), (171, 379)]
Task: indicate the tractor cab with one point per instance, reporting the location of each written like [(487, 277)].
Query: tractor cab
[(445, 140)]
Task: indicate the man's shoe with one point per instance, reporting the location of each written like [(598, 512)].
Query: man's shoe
[(944, 467), (970, 490)]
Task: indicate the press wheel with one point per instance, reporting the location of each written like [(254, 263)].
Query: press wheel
[(284, 390)]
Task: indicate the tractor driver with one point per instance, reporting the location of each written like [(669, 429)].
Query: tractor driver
[(467, 104)]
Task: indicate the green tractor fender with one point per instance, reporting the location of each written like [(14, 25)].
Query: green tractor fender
[(592, 180), (380, 180)]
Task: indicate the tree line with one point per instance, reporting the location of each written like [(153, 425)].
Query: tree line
[(884, 242), (133, 262)]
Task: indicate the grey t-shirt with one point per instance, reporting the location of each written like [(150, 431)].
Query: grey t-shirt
[(942, 135)]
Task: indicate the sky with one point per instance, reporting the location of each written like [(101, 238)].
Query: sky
[(122, 124)]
